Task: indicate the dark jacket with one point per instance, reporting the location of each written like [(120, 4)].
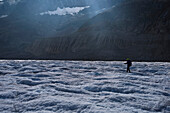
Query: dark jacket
[(129, 63)]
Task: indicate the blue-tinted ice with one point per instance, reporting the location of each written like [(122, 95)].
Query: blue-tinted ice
[(84, 86)]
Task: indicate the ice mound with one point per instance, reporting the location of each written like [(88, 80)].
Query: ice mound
[(82, 86)]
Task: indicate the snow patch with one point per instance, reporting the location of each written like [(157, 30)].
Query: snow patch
[(1, 2), (11, 2), (3, 16), (65, 11)]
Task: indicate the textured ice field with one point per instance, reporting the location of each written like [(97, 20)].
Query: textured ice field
[(84, 87)]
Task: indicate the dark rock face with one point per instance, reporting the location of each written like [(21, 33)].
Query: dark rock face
[(24, 24), (27, 13), (137, 29)]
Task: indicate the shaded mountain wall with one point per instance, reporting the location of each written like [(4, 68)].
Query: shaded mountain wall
[(137, 29), (24, 24)]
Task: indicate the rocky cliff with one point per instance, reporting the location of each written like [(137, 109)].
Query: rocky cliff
[(22, 21), (137, 29)]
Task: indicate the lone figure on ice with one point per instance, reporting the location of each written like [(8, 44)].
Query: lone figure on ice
[(129, 63)]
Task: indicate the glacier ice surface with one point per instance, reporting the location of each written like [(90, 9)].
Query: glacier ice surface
[(83, 86)]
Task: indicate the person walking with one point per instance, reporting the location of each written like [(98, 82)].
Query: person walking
[(129, 63)]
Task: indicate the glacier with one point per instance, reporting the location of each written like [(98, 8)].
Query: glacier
[(65, 11), (3, 16), (49, 86)]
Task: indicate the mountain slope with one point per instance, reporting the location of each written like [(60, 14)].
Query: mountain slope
[(137, 29), (22, 22)]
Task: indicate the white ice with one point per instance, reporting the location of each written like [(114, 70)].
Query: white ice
[(84, 87), (65, 11), (3, 16)]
